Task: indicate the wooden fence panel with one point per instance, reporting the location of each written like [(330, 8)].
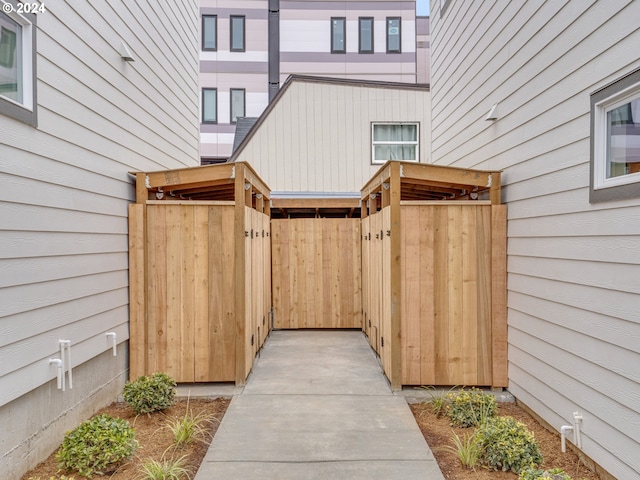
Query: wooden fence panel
[(316, 273), (184, 322), (446, 291)]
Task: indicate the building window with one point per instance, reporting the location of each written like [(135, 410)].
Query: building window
[(209, 105), (615, 140), (394, 35), (17, 66), (237, 33), (338, 35), (365, 35), (237, 104), (210, 33), (394, 141)]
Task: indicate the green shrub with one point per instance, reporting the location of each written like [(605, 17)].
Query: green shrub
[(151, 393), (97, 446), (508, 445), (469, 408), (535, 474)]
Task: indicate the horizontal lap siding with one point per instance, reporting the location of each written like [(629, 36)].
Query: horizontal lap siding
[(572, 271), (63, 244)]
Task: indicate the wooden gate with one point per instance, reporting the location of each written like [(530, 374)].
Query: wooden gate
[(316, 273), (200, 273), (434, 275)]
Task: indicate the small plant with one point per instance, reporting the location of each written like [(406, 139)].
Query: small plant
[(438, 401), (189, 428), (151, 393), (164, 469), (468, 449), (97, 446), (508, 445), (535, 474), (470, 408)]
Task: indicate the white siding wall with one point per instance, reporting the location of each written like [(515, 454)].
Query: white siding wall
[(65, 188), (317, 138), (574, 267)]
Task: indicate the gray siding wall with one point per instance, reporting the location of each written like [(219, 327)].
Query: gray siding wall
[(573, 267), (317, 137), (65, 191)]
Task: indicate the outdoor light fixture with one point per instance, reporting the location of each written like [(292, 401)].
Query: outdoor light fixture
[(125, 53), (493, 115)]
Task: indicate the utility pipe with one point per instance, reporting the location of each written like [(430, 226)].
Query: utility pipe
[(66, 360), (563, 436), (577, 421), (113, 336), (58, 363)]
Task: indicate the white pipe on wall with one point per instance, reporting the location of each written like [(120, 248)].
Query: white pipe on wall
[(113, 336), (563, 436), (577, 421), (65, 345), (58, 363)]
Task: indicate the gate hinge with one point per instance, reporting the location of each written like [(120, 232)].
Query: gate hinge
[(252, 339), (381, 341), (246, 233)]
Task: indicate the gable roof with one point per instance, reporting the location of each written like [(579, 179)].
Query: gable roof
[(237, 150)]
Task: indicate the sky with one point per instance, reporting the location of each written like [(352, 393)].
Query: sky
[(422, 7)]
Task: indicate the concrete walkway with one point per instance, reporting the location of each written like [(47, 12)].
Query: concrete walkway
[(317, 406)]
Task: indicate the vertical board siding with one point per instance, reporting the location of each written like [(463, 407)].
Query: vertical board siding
[(316, 273), (567, 267), (322, 127)]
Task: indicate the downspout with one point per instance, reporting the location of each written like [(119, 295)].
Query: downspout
[(274, 48)]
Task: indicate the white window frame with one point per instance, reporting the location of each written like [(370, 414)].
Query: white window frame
[(25, 110), (416, 143), (608, 98)]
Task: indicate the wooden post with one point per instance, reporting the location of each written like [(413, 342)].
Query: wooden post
[(138, 280), (395, 272), (240, 263), (499, 360), (495, 191)]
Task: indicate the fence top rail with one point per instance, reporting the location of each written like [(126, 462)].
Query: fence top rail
[(419, 181), (207, 182)]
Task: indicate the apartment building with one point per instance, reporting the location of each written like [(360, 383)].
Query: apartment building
[(250, 47)]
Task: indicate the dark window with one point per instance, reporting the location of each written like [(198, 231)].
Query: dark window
[(237, 104), (365, 35), (338, 35), (237, 33), (394, 35), (18, 66), (210, 32), (209, 105)]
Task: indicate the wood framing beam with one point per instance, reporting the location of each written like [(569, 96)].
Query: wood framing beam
[(191, 176), (396, 278), (499, 360), (315, 202), (253, 178), (240, 285), (142, 194), (449, 175)]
